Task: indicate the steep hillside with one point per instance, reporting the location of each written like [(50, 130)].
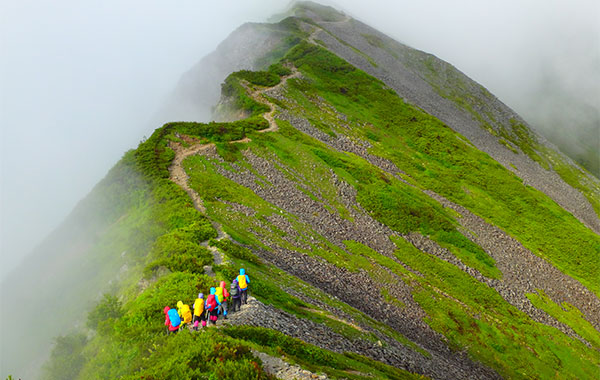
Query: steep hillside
[(396, 221), (99, 248), (467, 107)]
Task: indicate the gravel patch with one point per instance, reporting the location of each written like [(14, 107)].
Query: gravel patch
[(524, 272), (284, 370), (255, 313)]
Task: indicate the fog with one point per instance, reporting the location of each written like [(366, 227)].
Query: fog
[(82, 80)]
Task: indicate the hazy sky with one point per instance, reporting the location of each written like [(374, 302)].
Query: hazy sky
[(80, 80)]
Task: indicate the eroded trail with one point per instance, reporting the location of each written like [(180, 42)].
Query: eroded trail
[(180, 177), (259, 96), (178, 174), (176, 170)]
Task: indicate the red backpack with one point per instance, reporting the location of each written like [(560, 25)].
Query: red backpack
[(211, 303)]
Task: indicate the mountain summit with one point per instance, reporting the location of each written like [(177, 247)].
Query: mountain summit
[(395, 219)]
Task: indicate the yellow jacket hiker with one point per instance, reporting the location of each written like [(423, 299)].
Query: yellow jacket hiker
[(184, 312), (199, 315)]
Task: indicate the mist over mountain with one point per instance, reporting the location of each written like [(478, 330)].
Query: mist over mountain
[(397, 220), (570, 119)]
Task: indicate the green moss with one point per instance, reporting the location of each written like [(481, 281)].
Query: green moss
[(567, 314), (507, 145)]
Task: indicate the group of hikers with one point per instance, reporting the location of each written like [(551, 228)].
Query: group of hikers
[(209, 309)]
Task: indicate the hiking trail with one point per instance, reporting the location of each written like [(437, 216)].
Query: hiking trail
[(177, 172)]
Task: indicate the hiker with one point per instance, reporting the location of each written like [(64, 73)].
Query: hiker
[(212, 306), (184, 313), (243, 281), (199, 317), (236, 296), (172, 320), (222, 294)]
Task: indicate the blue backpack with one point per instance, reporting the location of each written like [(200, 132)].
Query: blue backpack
[(174, 318)]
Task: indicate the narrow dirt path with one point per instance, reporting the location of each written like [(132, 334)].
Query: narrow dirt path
[(180, 177), (178, 174), (259, 96), (176, 170)]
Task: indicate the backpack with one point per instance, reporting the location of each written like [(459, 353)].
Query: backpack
[(174, 318), (234, 291), (242, 281), (199, 307), (210, 302), (219, 293), (186, 314)]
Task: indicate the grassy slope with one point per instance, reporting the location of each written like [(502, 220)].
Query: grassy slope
[(439, 159), (471, 315), (497, 333), (451, 84), (129, 340)]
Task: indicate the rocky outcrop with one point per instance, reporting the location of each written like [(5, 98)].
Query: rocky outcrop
[(391, 352)]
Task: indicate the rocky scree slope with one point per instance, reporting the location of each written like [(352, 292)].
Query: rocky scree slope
[(441, 90)]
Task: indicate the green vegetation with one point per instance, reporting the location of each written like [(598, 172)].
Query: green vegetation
[(130, 340), (451, 84), (180, 250), (211, 355), (471, 314), (431, 153), (259, 78), (66, 359), (279, 69), (567, 314), (234, 87), (108, 307), (234, 250), (165, 236), (577, 178)]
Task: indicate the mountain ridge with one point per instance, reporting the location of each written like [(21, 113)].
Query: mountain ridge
[(348, 193)]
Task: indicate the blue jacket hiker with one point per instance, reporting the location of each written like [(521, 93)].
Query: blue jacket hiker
[(243, 282)]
